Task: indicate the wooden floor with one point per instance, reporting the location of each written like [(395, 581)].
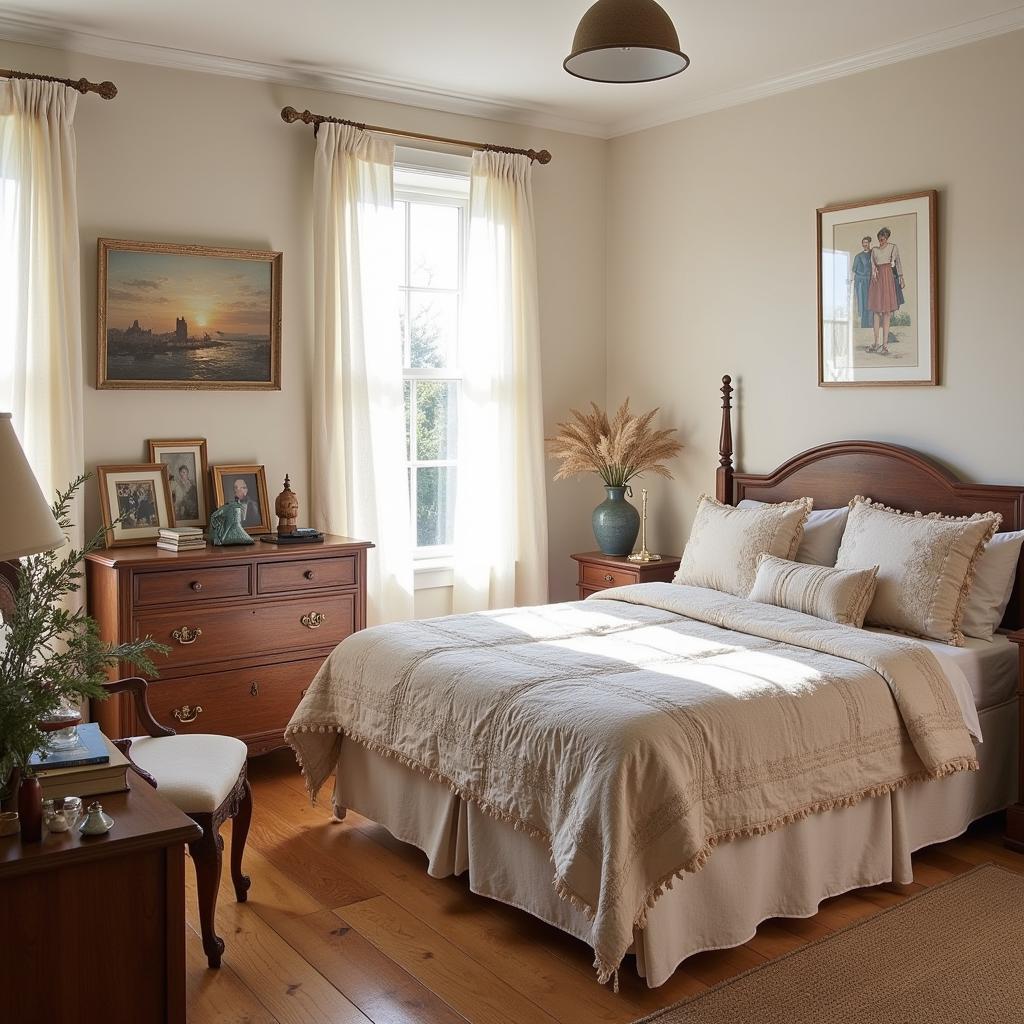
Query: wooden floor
[(344, 924)]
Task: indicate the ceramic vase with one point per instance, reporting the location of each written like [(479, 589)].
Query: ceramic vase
[(30, 809), (616, 523)]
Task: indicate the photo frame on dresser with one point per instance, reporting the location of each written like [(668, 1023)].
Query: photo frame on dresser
[(247, 485), (187, 477), (135, 503), (878, 307)]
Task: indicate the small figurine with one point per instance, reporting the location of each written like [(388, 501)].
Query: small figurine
[(287, 508), (226, 525), (96, 822)]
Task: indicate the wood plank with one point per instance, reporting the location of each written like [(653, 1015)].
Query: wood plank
[(718, 964), (218, 997), (480, 996), (773, 940)]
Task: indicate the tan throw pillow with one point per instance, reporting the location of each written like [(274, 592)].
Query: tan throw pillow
[(926, 565), (839, 595), (725, 542)]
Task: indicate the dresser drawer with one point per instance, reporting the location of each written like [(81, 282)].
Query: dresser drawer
[(201, 635), (234, 703), (306, 574), (601, 576), (196, 584)]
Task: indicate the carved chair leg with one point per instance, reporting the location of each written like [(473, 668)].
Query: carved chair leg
[(239, 832), (206, 856)]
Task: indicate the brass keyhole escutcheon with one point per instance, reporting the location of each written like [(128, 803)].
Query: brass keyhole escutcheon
[(313, 620), (187, 635), (187, 714), (254, 690)]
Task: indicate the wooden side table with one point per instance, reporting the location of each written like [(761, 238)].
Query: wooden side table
[(599, 572), (94, 927)]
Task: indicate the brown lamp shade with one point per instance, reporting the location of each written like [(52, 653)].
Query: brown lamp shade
[(625, 41), (27, 526)]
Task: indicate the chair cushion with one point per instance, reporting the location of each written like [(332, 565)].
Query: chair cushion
[(196, 773)]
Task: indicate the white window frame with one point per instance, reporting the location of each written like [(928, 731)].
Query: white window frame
[(433, 563)]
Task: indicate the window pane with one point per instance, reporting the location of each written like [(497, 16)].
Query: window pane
[(433, 329), (401, 212), (435, 505), (436, 419), (407, 388), (434, 245), (403, 324)]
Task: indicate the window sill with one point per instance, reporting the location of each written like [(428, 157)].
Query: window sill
[(433, 573)]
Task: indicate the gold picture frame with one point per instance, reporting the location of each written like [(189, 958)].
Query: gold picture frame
[(878, 292), (255, 520), (187, 317), (188, 478), (135, 503)]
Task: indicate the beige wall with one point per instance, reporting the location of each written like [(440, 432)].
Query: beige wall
[(711, 267), (187, 157)]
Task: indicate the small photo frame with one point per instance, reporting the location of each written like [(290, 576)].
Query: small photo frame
[(187, 478), (247, 484), (135, 502)]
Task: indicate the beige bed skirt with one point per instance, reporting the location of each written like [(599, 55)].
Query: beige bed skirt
[(783, 874)]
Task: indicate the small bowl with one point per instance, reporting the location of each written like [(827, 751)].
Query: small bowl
[(9, 823)]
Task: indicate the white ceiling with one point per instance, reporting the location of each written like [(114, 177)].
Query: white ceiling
[(503, 59)]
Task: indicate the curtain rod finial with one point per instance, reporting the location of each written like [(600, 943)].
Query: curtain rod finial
[(107, 90), (543, 157)]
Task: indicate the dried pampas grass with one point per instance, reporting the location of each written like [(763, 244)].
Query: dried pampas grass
[(617, 449)]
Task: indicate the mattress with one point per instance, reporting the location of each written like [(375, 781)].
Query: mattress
[(989, 666)]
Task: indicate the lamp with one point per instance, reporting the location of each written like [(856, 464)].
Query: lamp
[(27, 526), (625, 41)]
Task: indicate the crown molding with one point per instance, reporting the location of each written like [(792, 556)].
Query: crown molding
[(22, 28), (921, 46)]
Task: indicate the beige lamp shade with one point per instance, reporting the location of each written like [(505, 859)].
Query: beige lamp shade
[(625, 41), (27, 526)]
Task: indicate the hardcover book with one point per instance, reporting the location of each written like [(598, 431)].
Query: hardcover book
[(90, 749)]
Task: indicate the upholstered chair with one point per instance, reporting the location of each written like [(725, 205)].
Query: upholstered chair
[(204, 776)]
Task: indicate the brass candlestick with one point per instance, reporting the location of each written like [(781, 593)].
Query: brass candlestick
[(643, 555)]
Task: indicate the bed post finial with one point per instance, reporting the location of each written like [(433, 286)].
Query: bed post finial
[(723, 480)]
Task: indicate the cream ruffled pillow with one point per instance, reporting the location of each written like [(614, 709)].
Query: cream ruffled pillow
[(725, 542), (926, 565), (839, 595)]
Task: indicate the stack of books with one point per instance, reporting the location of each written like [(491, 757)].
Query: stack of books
[(94, 765), (180, 538)]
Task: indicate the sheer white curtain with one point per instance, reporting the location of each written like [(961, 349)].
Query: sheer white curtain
[(40, 307), (360, 485), (501, 544)]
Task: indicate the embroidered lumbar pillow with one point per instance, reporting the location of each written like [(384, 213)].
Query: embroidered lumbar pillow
[(839, 595), (926, 564), (725, 542)]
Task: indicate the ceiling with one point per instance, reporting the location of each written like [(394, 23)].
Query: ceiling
[(503, 59)]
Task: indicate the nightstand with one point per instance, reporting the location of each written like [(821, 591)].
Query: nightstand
[(1014, 837), (599, 572)]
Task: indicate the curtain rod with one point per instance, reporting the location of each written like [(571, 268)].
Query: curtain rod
[(105, 89), (291, 115)]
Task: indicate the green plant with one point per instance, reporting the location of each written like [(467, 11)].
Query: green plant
[(54, 656), (901, 318)]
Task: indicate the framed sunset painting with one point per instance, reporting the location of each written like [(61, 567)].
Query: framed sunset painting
[(878, 292), (187, 316)]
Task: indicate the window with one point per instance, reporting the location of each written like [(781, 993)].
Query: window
[(431, 223)]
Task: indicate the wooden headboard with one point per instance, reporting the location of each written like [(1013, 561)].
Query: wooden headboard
[(833, 473)]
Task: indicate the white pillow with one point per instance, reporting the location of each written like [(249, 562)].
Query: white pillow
[(823, 533), (725, 542), (994, 575)]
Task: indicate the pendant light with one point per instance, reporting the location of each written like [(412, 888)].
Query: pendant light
[(625, 41)]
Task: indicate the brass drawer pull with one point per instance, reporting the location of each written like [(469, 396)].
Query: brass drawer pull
[(254, 690), (187, 714), (186, 635), (309, 574), (609, 578), (196, 586), (313, 620)]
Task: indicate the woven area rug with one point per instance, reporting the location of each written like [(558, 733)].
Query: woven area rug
[(953, 954)]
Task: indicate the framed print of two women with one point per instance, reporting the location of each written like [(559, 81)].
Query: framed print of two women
[(878, 292)]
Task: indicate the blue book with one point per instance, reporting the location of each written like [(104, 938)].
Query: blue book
[(90, 749)]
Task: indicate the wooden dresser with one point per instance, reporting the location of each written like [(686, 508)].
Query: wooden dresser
[(599, 572), (248, 628)]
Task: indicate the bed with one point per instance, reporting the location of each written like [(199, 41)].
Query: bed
[(592, 815)]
